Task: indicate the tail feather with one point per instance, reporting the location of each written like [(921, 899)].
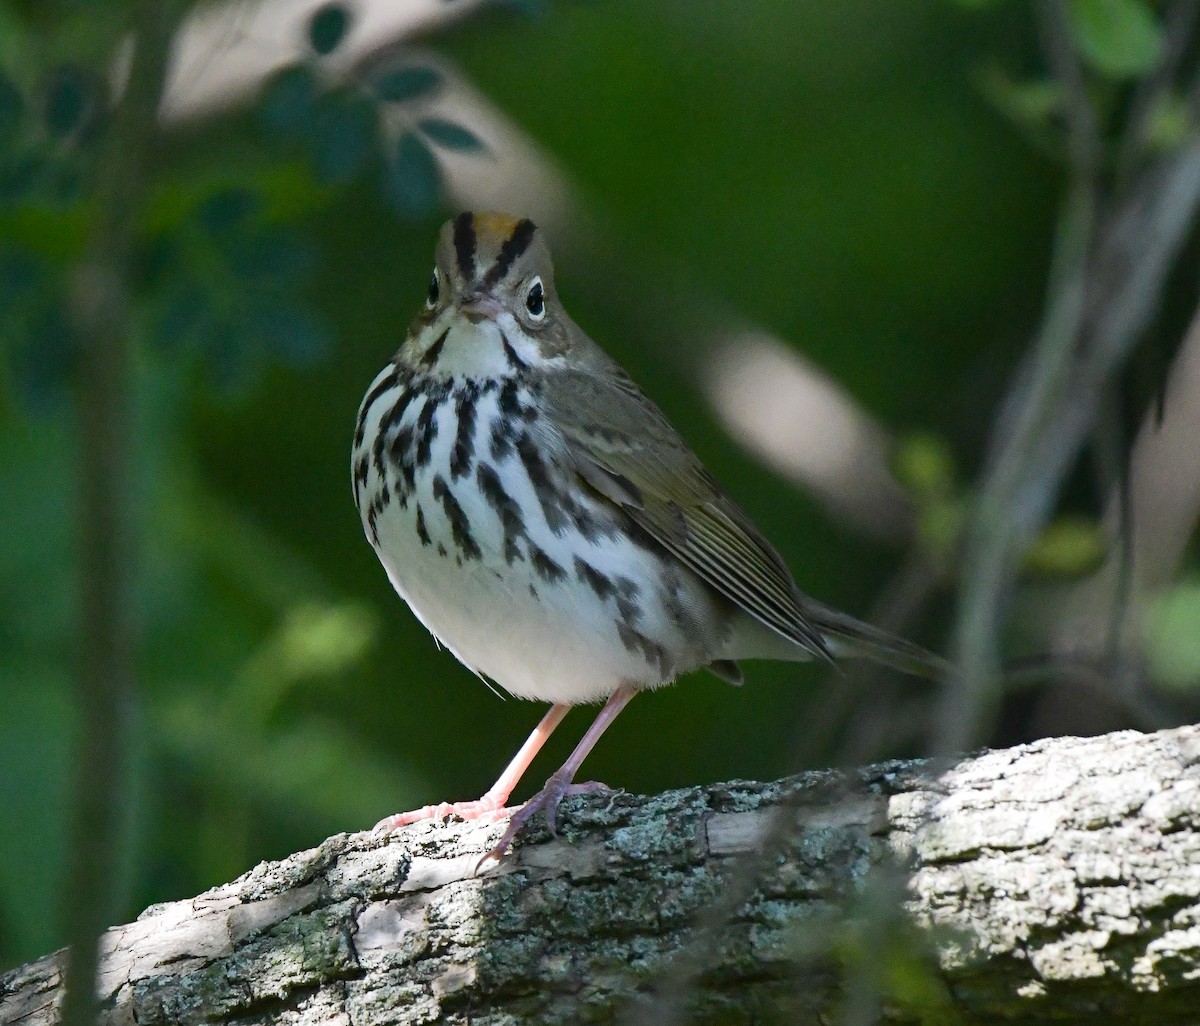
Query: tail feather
[(847, 636)]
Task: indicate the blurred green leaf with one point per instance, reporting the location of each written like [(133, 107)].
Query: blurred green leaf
[(450, 135), (288, 100), (1029, 102), (1172, 632), (54, 232), (343, 133), (315, 640), (227, 210), (187, 320), (413, 180), (68, 98), (270, 257), (327, 28), (1119, 38), (42, 363), (402, 84), (924, 465), (290, 333), (1069, 547), (1170, 123)]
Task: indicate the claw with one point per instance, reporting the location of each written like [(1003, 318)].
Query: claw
[(487, 809), (545, 801)]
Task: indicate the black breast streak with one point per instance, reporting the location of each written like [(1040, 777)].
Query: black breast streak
[(464, 439), (430, 356), (401, 452), (546, 568), (409, 391), (507, 509), (390, 381), (460, 526), (599, 582), (550, 498), (427, 430), (510, 354), (630, 611), (504, 431), (362, 467)]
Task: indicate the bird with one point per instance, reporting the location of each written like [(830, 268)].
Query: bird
[(550, 528)]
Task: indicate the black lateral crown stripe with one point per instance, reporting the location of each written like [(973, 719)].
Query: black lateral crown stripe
[(513, 247), (464, 243)]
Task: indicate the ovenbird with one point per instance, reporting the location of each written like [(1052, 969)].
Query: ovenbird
[(546, 523)]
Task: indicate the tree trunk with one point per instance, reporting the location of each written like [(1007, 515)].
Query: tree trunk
[(1058, 882)]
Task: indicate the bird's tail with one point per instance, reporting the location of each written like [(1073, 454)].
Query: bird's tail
[(849, 637)]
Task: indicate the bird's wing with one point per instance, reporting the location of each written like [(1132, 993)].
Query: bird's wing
[(623, 446)]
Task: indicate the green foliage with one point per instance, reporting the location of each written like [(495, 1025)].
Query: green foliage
[(327, 28), (1172, 632), (1069, 547), (450, 135), (1119, 38), (412, 179), (400, 85)]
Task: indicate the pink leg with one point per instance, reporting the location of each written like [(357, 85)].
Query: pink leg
[(559, 785), (491, 805)]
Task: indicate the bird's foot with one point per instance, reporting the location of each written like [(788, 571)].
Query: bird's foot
[(488, 808), (545, 801)]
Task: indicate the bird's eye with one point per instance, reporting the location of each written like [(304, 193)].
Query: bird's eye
[(535, 300), (435, 290)]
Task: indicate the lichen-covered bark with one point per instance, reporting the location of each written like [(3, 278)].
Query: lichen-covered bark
[(1057, 882)]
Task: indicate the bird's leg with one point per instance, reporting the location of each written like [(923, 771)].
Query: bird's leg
[(559, 785), (491, 805)]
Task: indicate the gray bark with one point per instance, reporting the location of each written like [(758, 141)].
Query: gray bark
[(1057, 882)]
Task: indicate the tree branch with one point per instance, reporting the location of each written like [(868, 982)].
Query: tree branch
[(1055, 882)]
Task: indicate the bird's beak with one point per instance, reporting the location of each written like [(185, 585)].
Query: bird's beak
[(480, 308)]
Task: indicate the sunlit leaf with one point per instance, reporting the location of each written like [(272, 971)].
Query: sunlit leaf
[(1030, 102), (403, 84), (1069, 547), (316, 639), (450, 135), (413, 180), (1119, 38), (924, 464), (1173, 639), (1169, 123)]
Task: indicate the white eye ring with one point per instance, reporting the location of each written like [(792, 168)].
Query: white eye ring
[(535, 299), (435, 290)]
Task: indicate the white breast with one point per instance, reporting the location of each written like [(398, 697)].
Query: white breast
[(547, 598)]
